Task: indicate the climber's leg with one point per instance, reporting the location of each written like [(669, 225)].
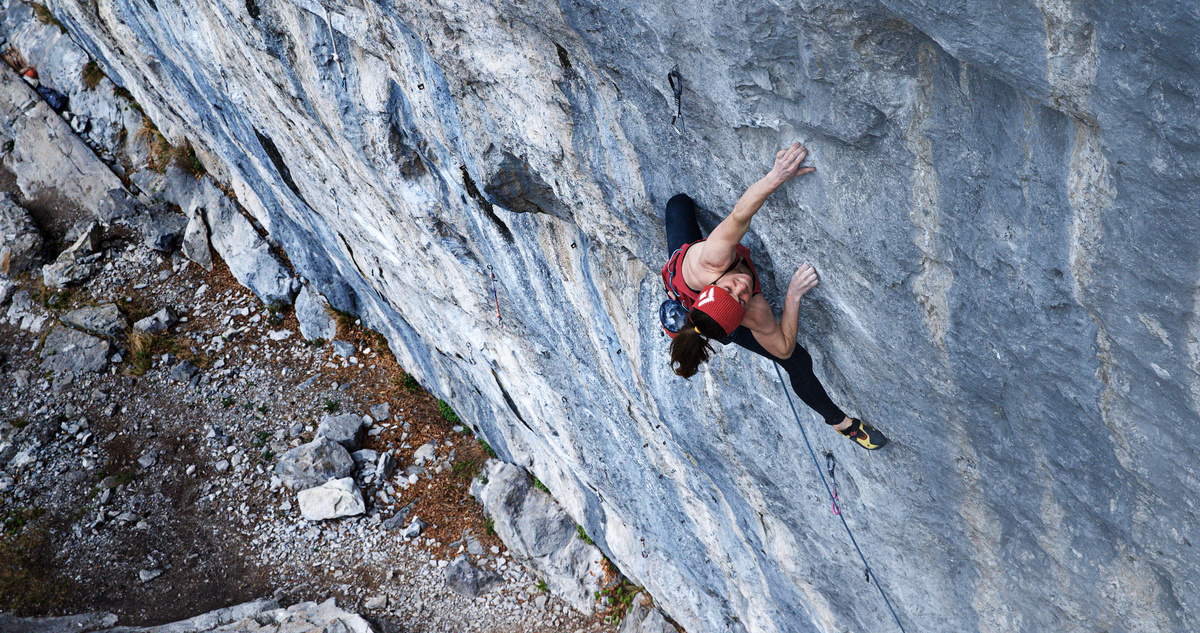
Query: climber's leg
[(682, 227), (799, 368)]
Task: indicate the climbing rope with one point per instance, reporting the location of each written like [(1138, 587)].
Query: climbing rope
[(676, 81), (496, 296), (833, 498)]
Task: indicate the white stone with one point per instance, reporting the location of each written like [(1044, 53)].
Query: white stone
[(337, 498)]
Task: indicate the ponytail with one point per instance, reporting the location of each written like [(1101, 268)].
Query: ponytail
[(690, 346)]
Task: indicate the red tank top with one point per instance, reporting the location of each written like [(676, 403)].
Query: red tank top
[(677, 288)]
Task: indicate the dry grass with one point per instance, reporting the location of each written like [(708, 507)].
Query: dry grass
[(158, 147), (92, 74), (14, 59), (46, 17), (184, 157)]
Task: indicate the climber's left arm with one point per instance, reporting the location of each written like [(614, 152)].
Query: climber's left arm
[(717, 252)]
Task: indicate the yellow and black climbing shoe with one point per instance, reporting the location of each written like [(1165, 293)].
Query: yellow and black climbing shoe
[(866, 435)]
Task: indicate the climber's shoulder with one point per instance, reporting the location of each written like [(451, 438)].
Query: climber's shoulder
[(704, 262)]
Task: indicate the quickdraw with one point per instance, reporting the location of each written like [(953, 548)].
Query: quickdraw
[(496, 296), (676, 81), (831, 466)]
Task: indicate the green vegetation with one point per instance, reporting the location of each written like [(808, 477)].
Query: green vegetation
[(227, 401), (465, 469), (184, 157), (489, 525), (262, 408), (541, 586), (537, 483), (487, 448), (410, 383), (56, 300), (448, 414), (620, 596), (583, 535), (266, 457), (317, 342), (16, 519), (92, 74), (331, 406), (260, 438)]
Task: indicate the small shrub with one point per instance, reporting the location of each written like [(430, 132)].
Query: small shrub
[(410, 383), (487, 448), (92, 74), (583, 535), (260, 438), (317, 342), (20, 423), (465, 469), (159, 150), (537, 483), (266, 457), (142, 348), (489, 525), (541, 586), (227, 401), (620, 597), (448, 414), (331, 406), (185, 159)]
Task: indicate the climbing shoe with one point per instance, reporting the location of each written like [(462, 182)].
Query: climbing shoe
[(866, 435)]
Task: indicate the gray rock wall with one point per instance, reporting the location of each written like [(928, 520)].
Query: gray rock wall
[(1003, 215)]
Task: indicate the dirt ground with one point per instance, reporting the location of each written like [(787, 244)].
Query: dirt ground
[(87, 520)]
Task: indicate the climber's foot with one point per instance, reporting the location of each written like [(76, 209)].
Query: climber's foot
[(865, 435)]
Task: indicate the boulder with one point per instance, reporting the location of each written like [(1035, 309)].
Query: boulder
[(336, 498), (347, 429), (157, 322), (69, 350), (540, 533), (344, 349), (20, 241), (161, 227), (195, 243), (314, 463), (313, 315), (7, 288), (644, 617), (464, 577), (183, 372), (381, 412), (103, 320), (246, 253), (77, 263)]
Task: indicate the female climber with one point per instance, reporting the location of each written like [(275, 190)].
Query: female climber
[(729, 305)]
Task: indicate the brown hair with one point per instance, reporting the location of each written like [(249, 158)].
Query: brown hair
[(689, 348)]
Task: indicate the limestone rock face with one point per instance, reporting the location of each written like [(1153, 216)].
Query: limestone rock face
[(1002, 217), (331, 500)]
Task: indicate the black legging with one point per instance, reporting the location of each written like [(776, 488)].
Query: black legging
[(682, 228)]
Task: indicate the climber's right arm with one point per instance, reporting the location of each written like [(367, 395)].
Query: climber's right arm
[(716, 253)]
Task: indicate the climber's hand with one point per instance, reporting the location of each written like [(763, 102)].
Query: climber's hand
[(789, 164), (804, 280)]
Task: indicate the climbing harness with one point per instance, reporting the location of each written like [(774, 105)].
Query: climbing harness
[(676, 81), (496, 296), (831, 466), (829, 491)]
